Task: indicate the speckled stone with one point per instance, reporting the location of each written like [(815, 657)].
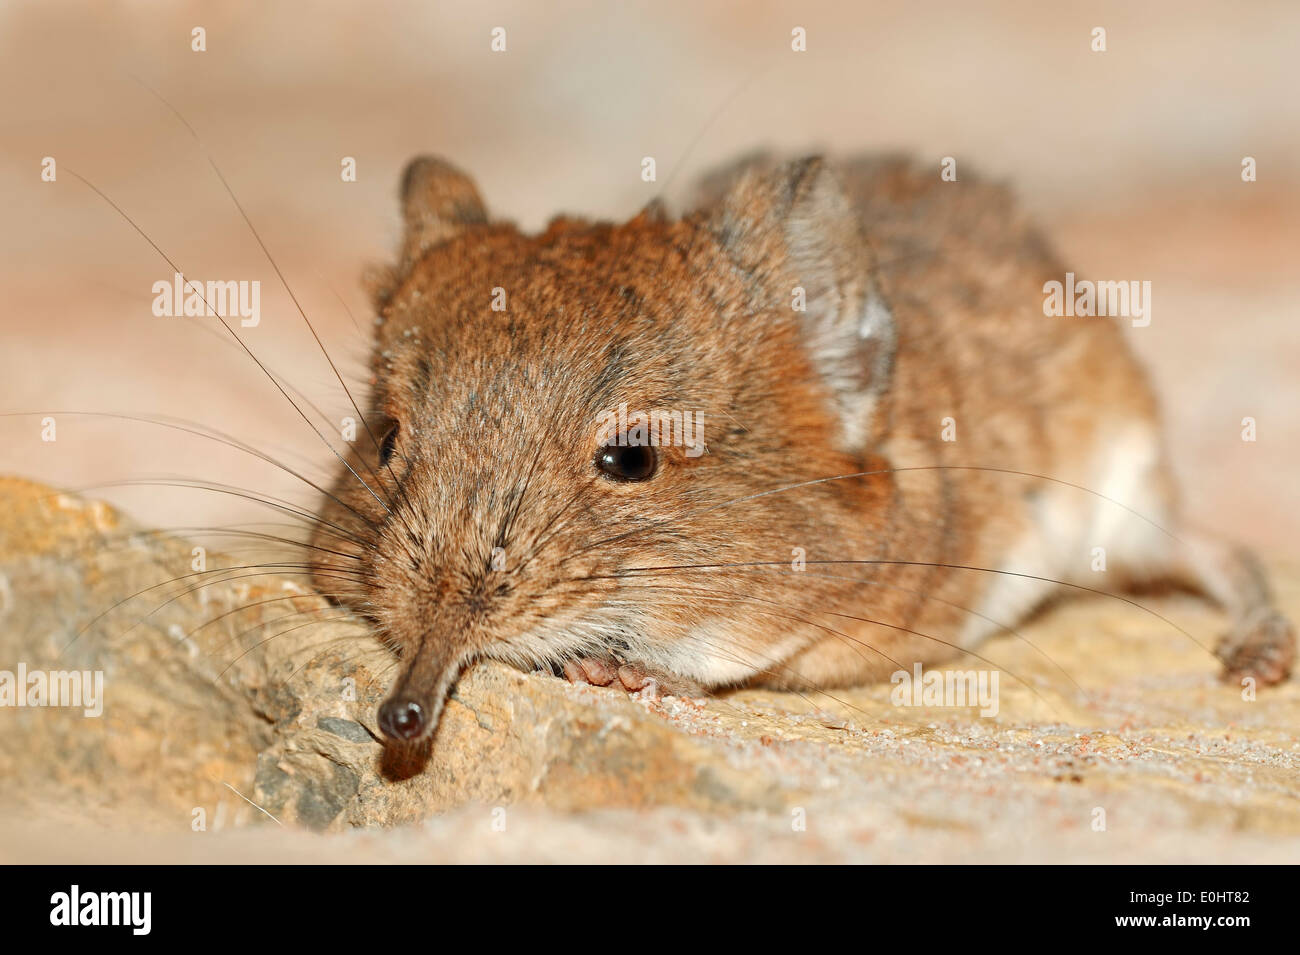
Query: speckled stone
[(250, 703)]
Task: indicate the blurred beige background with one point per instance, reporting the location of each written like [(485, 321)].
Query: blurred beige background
[(1130, 159)]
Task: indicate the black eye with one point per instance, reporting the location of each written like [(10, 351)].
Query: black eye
[(386, 444), (632, 463)]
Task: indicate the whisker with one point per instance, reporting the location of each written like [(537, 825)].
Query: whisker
[(259, 603), (921, 563), (321, 649), (292, 295), (126, 538), (956, 606), (309, 623), (881, 623), (270, 377), (549, 529), (278, 504), (1002, 627), (198, 430), (728, 653), (238, 638), (713, 117), (861, 474), (279, 568)]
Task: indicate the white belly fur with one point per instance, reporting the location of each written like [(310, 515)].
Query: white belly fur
[(1067, 523)]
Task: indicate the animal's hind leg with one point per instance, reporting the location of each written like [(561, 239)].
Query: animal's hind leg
[(1261, 642)]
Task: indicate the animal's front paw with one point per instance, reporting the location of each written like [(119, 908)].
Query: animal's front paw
[(592, 670), (1262, 647), (634, 678)]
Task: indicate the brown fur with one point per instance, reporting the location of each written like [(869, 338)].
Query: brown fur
[(497, 434)]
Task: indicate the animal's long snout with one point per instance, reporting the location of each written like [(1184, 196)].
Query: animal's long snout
[(413, 707)]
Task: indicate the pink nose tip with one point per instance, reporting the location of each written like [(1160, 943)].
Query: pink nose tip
[(402, 719)]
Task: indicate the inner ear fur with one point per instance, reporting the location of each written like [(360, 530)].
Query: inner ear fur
[(793, 225)]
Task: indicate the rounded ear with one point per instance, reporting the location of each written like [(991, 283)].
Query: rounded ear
[(438, 200), (795, 231)]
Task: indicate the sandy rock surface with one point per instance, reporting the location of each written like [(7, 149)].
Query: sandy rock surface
[(238, 723)]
